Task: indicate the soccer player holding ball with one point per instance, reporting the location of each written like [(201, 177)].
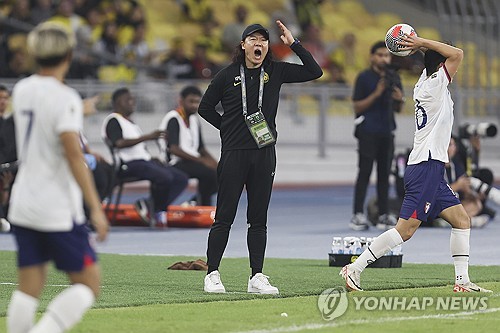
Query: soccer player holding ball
[(427, 193)]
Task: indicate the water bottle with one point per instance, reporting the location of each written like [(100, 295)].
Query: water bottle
[(356, 246), (337, 246), (398, 250), (363, 241), (348, 248)]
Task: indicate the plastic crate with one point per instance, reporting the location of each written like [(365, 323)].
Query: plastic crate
[(340, 260)]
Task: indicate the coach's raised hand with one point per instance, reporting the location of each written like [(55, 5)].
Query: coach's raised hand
[(286, 35)]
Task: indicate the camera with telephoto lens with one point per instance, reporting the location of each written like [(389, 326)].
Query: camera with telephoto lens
[(483, 130)]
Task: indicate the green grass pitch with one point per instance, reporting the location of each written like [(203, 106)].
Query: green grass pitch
[(139, 294)]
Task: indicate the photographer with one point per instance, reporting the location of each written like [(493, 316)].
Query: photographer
[(377, 95), (468, 153), (472, 192)]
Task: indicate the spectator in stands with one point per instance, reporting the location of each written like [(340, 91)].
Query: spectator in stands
[(18, 65), (41, 11), (312, 41), (136, 15), (137, 51), (20, 12), (197, 10), (347, 55), (203, 67), (377, 95), (178, 65), (308, 12), (95, 24), (83, 7), (65, 14), (231, 33), (186, 149), (127, 138), (108, 44), (210, 39)]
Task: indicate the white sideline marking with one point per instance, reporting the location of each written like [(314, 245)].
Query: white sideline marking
[(370, 321), (47, 285)]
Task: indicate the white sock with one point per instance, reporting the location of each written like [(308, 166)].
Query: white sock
[(459, 246), (21, 312), (380, 246), (65, 310)]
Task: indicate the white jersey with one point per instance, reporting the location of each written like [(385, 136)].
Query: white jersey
[(129, 131), (433, 117), (45, 195), (189, 137)]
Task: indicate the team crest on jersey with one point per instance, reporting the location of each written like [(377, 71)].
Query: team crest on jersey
[(266, 77), (427, 207)]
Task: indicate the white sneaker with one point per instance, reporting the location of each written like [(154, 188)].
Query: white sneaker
[(351, 277), (259, 284), (213, 283), (479, 221), (469, 287), (359, 222), (143, 208), (386, 222), (4, 225)]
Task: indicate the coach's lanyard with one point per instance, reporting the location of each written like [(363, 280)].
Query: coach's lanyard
[(244, 90), (256, 122)]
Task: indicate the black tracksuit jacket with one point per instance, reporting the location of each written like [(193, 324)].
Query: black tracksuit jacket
[(226, 88)]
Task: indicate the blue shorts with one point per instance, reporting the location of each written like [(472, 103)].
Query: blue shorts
[(70, 250), (426, 192)]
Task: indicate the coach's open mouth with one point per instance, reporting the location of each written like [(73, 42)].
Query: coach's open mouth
[(257, 53)]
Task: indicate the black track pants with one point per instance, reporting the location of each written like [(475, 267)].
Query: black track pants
[(253, 168)]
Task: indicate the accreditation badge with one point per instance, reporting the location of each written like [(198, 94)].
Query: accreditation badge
[(259, 129)]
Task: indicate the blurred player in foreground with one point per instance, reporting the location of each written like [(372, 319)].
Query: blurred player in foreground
[(426, 192), (46, 203)]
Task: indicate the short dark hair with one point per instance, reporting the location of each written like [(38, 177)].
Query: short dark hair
[(432, 59), (376, 46), (118, 93), (190, 90), (53, 61), (3, 88)]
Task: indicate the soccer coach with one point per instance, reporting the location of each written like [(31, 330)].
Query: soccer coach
[(248, 90)]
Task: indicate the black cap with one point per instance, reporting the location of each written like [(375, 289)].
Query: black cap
[(254, 28)]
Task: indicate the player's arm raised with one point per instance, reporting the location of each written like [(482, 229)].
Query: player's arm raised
[(453, 55)]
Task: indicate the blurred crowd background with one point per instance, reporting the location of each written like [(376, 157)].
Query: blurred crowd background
[(155, 46)]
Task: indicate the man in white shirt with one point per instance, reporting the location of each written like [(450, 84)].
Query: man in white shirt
[(186, 150), (427, 194), (46, 208), (166, 182)]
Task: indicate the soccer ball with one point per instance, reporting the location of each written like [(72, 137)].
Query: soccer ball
[(394, 35)]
